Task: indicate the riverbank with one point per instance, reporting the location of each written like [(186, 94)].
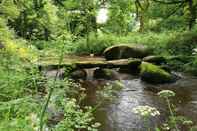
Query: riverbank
[(27, 89)]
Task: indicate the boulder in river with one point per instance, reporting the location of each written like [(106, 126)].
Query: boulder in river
[(154, 74), (155, 59), (126, 51)]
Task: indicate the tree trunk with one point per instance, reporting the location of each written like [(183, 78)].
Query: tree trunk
[(192, 14), (141, 23)]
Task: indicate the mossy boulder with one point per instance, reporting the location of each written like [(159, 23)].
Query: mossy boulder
[(155, 59), (108, 74), (126, 51), (154, 74)]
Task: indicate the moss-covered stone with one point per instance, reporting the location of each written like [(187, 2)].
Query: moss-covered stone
[(126, 51), (154, 74)]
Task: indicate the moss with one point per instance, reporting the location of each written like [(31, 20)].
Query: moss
[(154, 74), (145, 66)]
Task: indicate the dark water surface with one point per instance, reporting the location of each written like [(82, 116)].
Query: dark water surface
[(117, 115)]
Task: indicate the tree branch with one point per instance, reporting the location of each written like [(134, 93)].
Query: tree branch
[(170, 2), (173, 12), (139, 4)]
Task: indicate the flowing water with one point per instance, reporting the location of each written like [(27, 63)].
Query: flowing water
[(117, 115)]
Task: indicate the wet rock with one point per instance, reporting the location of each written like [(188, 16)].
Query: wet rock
[(53, 73), (154, 74), (79, 74), (126, 51), (158, 60), (177, 76), (106, 74)]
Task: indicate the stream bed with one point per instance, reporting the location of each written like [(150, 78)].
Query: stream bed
[(117, 115)]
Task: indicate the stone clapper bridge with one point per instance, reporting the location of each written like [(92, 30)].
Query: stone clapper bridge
[(85, 62), (126, 58), (114, 57)]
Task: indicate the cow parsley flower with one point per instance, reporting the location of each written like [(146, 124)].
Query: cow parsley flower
[(146, 111), (166, 93), (194, 51), (187, 122)]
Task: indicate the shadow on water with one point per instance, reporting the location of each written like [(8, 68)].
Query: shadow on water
[(117, 115)]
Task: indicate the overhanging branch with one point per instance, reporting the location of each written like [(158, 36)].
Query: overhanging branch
[(172, 13), (170, 2)]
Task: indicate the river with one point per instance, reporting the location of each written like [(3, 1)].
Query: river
[(117, 115)]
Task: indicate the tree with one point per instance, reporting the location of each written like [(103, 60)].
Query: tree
[(190, 7), (119, 16), (141, 11), (35, 19)]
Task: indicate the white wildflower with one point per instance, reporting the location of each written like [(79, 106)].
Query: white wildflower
[(188, 122), (165, 127), (166, 93), (146, 111)]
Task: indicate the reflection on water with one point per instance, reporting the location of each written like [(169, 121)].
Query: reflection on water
[(117, 115)]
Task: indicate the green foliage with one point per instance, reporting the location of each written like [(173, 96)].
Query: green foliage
[(22, 92), (68, 26), (120, 18), (9, 9), (183, 43), (16, 103), (75, 118), (19, 114), (174, 122), (166, 17), (36, 21), (95, 45), (166, 43)]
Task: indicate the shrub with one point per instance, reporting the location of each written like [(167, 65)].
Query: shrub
[(183, 43)]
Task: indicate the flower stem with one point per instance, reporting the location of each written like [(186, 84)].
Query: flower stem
[(172, 114)]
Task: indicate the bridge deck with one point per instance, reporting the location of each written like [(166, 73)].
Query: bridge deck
[(86, 62)]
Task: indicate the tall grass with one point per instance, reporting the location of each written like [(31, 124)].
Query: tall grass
[(166, 42)]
